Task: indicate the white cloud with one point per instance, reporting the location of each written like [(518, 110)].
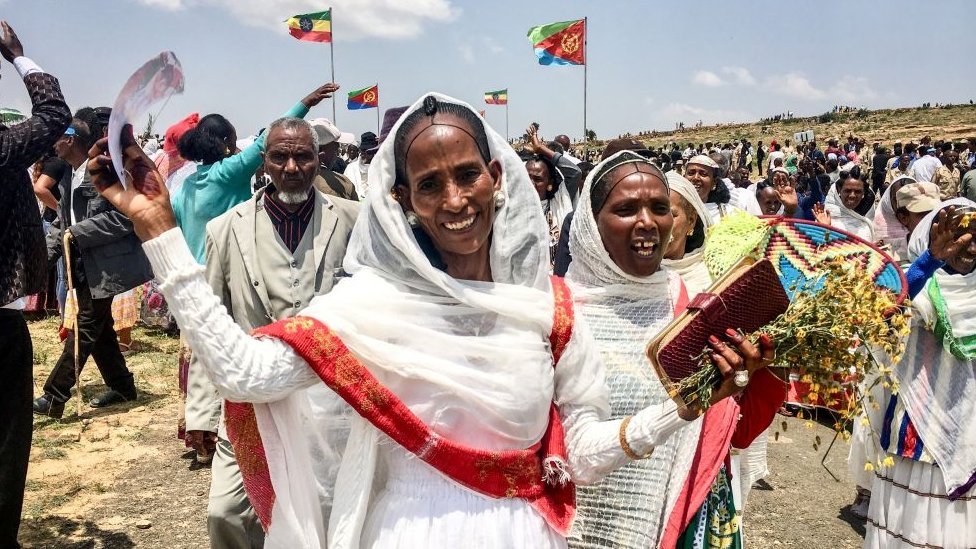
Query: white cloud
[(794, 84), (467, 53), (707, 78), (740, 75), (681, 112), (169, 5), (491, 45), (353, 19), (850, 89)]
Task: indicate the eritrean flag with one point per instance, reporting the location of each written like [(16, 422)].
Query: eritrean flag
[(560, 43), (366, 98), (498, 97), (313, 27)]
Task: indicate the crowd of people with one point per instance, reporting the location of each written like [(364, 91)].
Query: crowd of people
[(432, 337)]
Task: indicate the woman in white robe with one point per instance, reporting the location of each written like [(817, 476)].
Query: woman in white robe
[(449, 307), (719, 198), (923, 495), (618, 239), (847, 198)]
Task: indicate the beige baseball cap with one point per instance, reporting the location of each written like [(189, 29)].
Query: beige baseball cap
[(921, 197), (326, 130)]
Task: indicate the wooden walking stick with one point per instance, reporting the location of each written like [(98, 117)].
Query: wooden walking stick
[(71, 288)]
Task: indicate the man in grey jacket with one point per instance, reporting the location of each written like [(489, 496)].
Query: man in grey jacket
[(106, 259), (267, 258)]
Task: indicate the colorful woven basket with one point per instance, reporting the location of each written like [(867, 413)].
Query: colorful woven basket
[(796, 247)]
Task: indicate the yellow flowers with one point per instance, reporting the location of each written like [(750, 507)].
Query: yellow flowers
[(840, 329), (869, 466), (888, 461), (967, 219)]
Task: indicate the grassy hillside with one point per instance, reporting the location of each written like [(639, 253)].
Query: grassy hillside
[(955, 122)]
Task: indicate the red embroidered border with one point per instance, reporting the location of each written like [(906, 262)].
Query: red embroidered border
[(512, 473)]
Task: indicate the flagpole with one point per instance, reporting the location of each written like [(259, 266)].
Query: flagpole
[(586, 37), (377, 109), (332, 61), (507, 136)]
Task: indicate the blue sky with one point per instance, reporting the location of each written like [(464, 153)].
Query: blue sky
[(651, 64)]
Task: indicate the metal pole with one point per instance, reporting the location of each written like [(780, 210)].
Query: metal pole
[(378, 109), (507, 136), (332, 63), (586, 38)]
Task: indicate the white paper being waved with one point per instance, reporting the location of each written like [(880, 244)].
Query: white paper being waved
[(157, 80)]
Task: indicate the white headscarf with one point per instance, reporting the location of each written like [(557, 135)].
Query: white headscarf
[(937, 387), (739, 199), (471, 359), (691, 267), (629, 508), (886, 224), (847, 219)]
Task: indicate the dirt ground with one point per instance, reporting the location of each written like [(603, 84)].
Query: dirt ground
[(128, 482)]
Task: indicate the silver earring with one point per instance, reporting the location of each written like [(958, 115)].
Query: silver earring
[(499, 200), (412, 219)]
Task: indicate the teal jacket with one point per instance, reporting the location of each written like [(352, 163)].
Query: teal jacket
[(215, 188)]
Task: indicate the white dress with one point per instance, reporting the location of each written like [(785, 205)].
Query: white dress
[(385, 497)]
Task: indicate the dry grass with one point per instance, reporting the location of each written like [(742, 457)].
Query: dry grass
[(956, 122)]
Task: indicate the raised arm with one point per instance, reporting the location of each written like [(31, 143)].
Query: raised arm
[(21, 145), (943, 246), (239, 168), (243, 368)]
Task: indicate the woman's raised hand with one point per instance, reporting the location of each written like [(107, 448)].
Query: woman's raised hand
[(145, 201), (820, 214), (943, 244)]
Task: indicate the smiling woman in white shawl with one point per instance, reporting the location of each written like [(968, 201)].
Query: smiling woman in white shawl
[(442, 339), (846, 201), (680, 493), (923, 496), (719, 198)]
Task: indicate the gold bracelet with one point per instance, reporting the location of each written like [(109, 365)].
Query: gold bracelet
[(625, 446)]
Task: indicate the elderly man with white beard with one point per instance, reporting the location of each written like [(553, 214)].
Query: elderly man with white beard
[(267, 258)]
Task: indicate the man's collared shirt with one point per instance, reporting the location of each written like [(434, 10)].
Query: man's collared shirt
[(289, 225), (948, 181)]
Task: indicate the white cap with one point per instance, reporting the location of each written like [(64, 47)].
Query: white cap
[(347, 138), (327, 131)]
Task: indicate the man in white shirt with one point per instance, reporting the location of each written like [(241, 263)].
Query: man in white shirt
[(358, 169), (777, 152), (23, 270), (924, 168)]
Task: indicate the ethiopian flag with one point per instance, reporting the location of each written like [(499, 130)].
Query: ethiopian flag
[(560, 43), (499, 97), (313, 27), (366, 98)]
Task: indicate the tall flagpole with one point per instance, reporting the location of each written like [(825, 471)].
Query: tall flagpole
[(507, 136), (586, 37), (377, 109), (332, 61)]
